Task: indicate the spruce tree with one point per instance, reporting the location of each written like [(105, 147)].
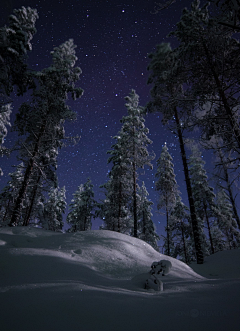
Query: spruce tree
[(54, 208), (135, 141), (226, 223), (168, 74), (146, 228), (166, 185), (203, 196), (42, 119), (181, 230), (81, 208), (208, 51), (115, 208), (15, 42)]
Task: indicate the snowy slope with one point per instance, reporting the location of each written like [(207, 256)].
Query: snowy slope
[(94, 281)]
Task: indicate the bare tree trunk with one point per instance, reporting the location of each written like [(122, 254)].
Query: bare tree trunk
[(168, 236), (184, 244), (27, 175), (134, 201), (223, 97), (229, 188), (119, 207), (27, 218), (209, 230), (196, 236)]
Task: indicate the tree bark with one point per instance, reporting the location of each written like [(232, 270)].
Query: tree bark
[(196, 236), (209, 230), (184, 245), (134, 201), (27, 175), (27, 218), (222, 95)]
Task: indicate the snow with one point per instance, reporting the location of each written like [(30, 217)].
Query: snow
[(94, 280)]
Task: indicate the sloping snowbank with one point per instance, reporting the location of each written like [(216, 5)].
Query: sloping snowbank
[(93, 281)]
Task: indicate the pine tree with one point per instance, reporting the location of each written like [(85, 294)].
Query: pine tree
[(166, 185), (81, 208), (146, 228), (203, 196), (115, 208), (54, 208), (226, 223), (219, 242), (209, 52), (42, 119), (168, 74), (15, 42), (181, 230), (134, 139), (9, 194), (5, 112)]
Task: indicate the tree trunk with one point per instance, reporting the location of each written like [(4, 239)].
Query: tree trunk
[(184, 245), (168, 236), (27, 175), (27, 218), (119, 206), (226, 178), (196, 236), (134, 201), (209, 230), (222, 95)]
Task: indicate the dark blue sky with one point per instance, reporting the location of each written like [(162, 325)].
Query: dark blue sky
[(113, 39)]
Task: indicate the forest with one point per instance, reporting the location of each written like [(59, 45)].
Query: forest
[(194, 88)]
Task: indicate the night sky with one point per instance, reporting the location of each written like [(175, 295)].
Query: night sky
[(113, 39)]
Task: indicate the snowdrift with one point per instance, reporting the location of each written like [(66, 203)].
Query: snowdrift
[(94, 281)]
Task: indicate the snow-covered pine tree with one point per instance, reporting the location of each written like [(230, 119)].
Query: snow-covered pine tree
[(225, 221), (168, 74), (167, 187), (209, 51), (42, 119), (5, 112), (135, 140), (203, 195), (15, 41), (181, 231), (218, 238), (9, 194), (54, 209), (146, 227), (115, 208), (81, 208)]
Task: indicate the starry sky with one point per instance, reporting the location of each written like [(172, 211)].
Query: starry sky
[(113, 41)]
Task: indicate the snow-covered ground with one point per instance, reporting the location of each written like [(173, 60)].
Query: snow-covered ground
[(94, 281)]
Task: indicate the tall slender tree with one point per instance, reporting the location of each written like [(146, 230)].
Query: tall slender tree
[(181, 230), (168, 97), (203, 194), (226, 222), (81, 208), (134, 138), (15, 42), (146, 228), (42, 119), (115, 208), (166, 185), (54, 208)]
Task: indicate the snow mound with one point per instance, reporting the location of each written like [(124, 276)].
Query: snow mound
[(95, 281), (110, 254)]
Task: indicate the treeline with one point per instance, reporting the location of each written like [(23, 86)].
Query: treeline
[(194, 86)]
